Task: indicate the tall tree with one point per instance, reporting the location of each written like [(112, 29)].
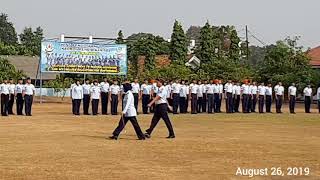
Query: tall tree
[(32, 40), (120, 38), (206, 48), (8, 35), (178, 44)]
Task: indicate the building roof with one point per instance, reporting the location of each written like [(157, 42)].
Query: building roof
[(29, 65), (314, 54)]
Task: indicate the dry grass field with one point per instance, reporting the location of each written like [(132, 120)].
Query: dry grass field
[(53, 144)]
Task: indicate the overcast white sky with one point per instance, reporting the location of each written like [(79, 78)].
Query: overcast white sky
[(269, 20)]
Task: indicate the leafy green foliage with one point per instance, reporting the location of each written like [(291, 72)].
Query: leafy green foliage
[(206, 48), (120, 38), (32, 40), (7, 70), (8, 35), (60, 84), (178, 45)]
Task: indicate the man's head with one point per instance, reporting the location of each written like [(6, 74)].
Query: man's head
[(20, 81), (293, 84), (127, 87), (183, 82), (87, 81), (309, 86), (29, 80), (136, 80), (77, 82), (199, 82), (105, 79), (159, 82), (194, 81), (95, 82), (262, 84), (115, 82), (11, 80), (280, 83)]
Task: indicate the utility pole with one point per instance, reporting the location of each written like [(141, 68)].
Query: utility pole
[(247, 43)]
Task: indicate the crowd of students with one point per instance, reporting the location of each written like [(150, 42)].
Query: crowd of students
[(204, 96)]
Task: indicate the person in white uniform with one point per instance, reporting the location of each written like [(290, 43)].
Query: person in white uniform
[(146, 95), (77, 96), (129, 113), (95, 97), (114, 97), (292, 93), (136, 92), (307, 98), (12, 87), (86, 96), (318, 97), (28, 93), (279, 95), (18, 95), (4, 97)]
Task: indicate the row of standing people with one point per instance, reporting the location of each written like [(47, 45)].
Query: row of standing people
[(20, 93)]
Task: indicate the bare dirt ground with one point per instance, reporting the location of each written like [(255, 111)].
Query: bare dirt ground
[(53, 144)]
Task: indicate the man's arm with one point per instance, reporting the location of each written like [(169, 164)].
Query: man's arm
[(154, 100)]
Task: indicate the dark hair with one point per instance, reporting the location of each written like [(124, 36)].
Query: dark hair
[(161, 81), (127, 87)]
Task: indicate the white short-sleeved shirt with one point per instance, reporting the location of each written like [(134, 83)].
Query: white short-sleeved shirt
[(228, 87), (114, 89), (12, 88), (146, 89), (155, 88), (262, 90), (135, 87), (254, 89), (236, 90), (95, 92), (105, 86), (220, 88), (318, 93), (268, 91), (194, 88), (210, 88), (176, 88), (86, 88), (183, 91), (279, 90), (292, 91), (245, 89), (129, 110), (162, 93), (307, 91), (77, 92), (200, 90), (216, 88), (5, 88), (19, 88), (29, 89), (169, 89)]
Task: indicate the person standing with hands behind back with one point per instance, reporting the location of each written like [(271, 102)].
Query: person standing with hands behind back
[(28, 93), (307, 98)]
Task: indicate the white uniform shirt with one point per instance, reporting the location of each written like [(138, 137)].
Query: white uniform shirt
[(77, 92), (5, 88), (146, 89), (220, 88), (114, 89), (95, 92), (268, 91), (254, 89), (155, 88), (188, 89), (168, 89), (318, 93), (183, 91), (236, 90), (292, 91), (135, 87), (245, 89), (200, 90), (228, 87), (129, 110), (11, 88), (86, 88), (279, 90), (262, 90), (210, 88), (19, 88), (216, 88), (162, 93), (29, 89), (104, 87), (307, 91), (194, 88), (176, 88)]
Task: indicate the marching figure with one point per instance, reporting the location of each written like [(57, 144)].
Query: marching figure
[(183, 97), (307, 98), (161, 111), (292, 93), (200, 96), (129, 113), (228, 89), (204, 94), (18, 94), (245, 97), (210, 97), (28, 93), (237, 96), (254, 90)]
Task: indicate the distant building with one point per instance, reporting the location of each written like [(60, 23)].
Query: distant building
[(193, 62), (314, 54)]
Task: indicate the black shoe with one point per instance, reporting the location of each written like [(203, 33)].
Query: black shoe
[(171, 137), (147, 135), (113, 137), (142, 138)]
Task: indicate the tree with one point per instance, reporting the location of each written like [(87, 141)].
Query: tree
[(206, 48), (32, 40), (8, 70), (178, 45), (60, 84), (120, 38), (8, 35)]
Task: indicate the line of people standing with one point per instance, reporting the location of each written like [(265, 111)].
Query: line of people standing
[(21, 93)]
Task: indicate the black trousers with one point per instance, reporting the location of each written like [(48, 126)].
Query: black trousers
[(307, 103), (4, 104), (187, 103), (94, 106), (10, 104), (216, 102), (249, 103), (122, 98), (261, 103), (19, 103), (28, 99), (194, 103), (122, 123), (199, 104), (161, 111), (254, 103), (182, 107), (104, 102), (114, 104), (204, 103), (236, 103), (278, 103), (152, 108), (136, 100), (292, 103), (145, 101), (319, 105), (210, 99), (245, 102), (268, 103), (230, 103), (220, 101), (72, 106), (86, 103), (176, 99), (77, 103)]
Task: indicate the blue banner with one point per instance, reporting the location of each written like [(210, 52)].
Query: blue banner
[(91, 58)]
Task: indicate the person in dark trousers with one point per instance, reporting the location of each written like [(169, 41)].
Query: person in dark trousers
[(254, 90), (72, 102), (187, 98), (183, 96), (175, 96), (228, 89), (77, 96), (4, 97), (146, 95), (216, 94), (245, 90), (204, 96), (279, 95), (114, 97), (95, 96), (105, 87), (318, 97), (292, 93), (307, 98), (261, 96), (28, 93), (220, 96), (193, 96), (136, 93), (268, 98), (12, 87), (154, 90), (161, 111), (169, 95), (210, 97), (86, 96), (18, 93), (236, 97), (199, 97), (129, 113)]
